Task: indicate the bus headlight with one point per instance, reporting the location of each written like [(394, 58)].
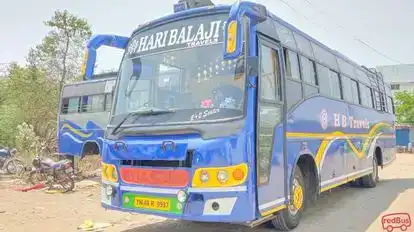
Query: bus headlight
[(204, 177), (223, 176), (181, 196), (109, 172)]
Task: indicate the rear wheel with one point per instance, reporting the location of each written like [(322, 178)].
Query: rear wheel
[(65, 181), (289, 217), (37, 177)]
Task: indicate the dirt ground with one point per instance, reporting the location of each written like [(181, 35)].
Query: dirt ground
[(343, 209)]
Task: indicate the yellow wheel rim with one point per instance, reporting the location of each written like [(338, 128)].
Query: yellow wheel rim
[(297, 197)]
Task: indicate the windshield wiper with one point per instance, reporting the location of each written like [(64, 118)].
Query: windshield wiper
[(150, 111)]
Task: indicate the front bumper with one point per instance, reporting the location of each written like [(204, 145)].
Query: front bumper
[(230, 204)]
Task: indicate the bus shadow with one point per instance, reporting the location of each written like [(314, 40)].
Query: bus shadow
[(343, 209)]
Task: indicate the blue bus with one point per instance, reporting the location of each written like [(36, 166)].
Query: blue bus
[(84, 107), (227, 113), (83, 115)]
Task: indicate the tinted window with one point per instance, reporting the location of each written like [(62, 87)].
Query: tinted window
[(329, 82), (270, 76), (73, 106), (324, 56), (336, 84), (355, 92), (93, 103), (308, 70), (108, 101), (362, 76), (347, 89), (285, 35), (383, 102), (291, 64), (366, 97), (293, 92), (377, 100), (346, 68), (65, 105), (390, 105), (303, 45)]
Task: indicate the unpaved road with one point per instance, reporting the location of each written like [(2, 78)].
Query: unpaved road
[(343, 209)]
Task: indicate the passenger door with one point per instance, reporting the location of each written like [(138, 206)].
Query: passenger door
[(270, 128)]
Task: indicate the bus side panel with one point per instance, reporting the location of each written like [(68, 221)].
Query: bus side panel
[(378, 134), (338, 136), (77, 129), (313, 130)]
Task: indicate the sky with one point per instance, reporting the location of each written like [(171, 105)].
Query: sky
[(350, 27)]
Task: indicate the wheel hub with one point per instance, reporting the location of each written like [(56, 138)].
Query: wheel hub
[(297, 197)]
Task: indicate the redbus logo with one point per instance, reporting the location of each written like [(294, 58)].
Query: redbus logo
[(396, 220)]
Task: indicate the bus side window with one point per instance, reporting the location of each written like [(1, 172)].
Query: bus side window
[(65, 106), (74, 105), (293, 80), (310, 81), (390, 104), (308, 71), (366, 97), (108, 101), (291, 64), (377, 100), (329, 82), (94, 103)]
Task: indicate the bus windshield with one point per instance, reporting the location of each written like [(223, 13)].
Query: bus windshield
[(192, 82)]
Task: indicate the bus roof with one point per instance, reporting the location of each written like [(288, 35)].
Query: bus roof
[(97, 78)]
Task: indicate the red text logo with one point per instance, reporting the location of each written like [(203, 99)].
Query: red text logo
[(393, 221)]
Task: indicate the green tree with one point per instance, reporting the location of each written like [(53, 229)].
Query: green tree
[(29, 95), (60, 53), (404, 105), (36, 100)]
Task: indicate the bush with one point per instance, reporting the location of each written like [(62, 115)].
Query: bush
[(27, 142)]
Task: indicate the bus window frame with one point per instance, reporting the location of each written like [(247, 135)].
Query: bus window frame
[(62, 108), (93, 111)]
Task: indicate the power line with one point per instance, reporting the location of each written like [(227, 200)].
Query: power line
[(354, 37), (366, 44)]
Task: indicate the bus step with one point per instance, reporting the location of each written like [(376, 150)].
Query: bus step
[(260, 221)]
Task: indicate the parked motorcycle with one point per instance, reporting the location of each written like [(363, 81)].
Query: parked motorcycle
[(9, 162), (52, 173)]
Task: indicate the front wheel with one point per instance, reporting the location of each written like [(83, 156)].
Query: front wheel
[(289, 218), (14, 166), (371, 180)]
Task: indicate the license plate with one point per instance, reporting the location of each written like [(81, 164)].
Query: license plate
[(151, 203)]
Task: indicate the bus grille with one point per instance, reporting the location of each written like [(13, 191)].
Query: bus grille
[(187, 163)]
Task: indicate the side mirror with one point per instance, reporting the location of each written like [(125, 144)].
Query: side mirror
[(233, 32), (96, 42)]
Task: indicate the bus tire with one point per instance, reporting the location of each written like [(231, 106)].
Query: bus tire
[(288, 218), (370, 181)]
